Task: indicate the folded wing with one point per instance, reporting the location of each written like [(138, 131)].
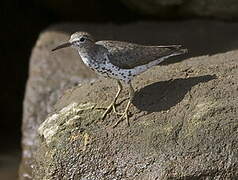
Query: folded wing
[(129, 55)]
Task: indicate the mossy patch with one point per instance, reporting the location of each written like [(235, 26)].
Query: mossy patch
[(70, 116)]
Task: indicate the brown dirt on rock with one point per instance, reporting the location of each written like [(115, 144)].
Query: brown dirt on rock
[(183, 125)]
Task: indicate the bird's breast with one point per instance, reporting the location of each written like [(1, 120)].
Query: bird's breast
[(104, 68)]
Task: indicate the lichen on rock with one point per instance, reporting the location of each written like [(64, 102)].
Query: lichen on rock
[(67, 116)]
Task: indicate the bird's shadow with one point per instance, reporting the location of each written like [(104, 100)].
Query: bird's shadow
[(163, 95)]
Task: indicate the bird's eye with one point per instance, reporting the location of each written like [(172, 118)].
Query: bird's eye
[(82, 39)]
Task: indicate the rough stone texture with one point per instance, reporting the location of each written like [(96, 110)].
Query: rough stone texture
[(171, 8), (183, 126), (52, 74)]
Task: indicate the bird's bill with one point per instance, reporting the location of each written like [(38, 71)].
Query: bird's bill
[(67, 44)]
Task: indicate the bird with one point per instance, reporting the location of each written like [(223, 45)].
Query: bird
[(119, 60)]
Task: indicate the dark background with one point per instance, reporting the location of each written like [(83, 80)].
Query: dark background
[(21, 23)]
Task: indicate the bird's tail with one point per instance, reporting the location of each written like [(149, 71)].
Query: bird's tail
[(175, 50)]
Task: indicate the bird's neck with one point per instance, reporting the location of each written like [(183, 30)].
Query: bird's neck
[(88, 51), (89, 54), (92, 51)]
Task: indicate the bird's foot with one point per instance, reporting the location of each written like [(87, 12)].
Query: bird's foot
[(124, 115), (108, 109), (112, 106)]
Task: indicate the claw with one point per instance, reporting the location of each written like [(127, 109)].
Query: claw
[(108, 109), (125, 114), (113, 104)]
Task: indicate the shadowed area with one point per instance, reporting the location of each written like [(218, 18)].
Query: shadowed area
[(170, 93)]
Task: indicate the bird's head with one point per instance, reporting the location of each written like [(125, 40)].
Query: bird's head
[(78, 40)]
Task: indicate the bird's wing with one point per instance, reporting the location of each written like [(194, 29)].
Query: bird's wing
[(129, 55)]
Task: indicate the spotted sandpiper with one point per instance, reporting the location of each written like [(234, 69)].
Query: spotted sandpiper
[(119, 60)]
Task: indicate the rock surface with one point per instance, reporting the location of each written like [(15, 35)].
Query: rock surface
[(53, 74), (50, 75), (183, 125), (171, 8)]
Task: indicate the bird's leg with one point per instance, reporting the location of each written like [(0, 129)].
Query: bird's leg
[(112, 105), (125, 114)]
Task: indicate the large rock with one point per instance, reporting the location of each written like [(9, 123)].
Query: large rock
[(53, 74), (50, 75), (173, 8), (183, 126)]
